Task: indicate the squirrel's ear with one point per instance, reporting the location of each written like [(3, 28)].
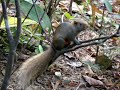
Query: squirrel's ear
[(75, 22)]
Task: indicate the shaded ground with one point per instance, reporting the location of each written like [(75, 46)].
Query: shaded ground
[(73, 71)]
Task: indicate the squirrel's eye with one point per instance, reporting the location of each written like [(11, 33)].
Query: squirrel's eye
[(80, 24)]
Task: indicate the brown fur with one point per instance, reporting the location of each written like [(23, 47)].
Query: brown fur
[(33, 67), (66, 33)]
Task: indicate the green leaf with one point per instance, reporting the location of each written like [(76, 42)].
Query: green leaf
[(13, 22), (88, 1), (92, 66), (108, 5), (30, 1), (39, 49), (68, 16), (45, 22)]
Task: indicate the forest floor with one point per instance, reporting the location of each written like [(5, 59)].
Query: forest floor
[(75, 70)]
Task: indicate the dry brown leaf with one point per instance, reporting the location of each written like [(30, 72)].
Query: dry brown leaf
[(93, 82), (64, 5), (94, 11), (55, 24), (56, 85), (116, 6)]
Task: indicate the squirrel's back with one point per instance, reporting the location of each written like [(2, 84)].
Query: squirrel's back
[(66, 32)]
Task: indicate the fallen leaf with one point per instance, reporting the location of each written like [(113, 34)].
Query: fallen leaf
[(92, 81), (74, 64)]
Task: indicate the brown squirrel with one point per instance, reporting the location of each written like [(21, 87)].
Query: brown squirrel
[(37, 64), (66, 33)]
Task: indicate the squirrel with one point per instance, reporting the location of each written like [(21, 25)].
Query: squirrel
[(66, 33), (36, 65)]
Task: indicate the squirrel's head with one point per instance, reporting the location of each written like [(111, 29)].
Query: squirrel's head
[(80, 25)]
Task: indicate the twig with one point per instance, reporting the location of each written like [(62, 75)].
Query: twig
[(56, 3), (97, 50), (103, 16), (12, 42), (70, 7), (18, 31), (49, 10), (105, 37), (1, 18), (28, 13), (51, 7), (84, 44), (39, 21), (92, 43), (11, 52)]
